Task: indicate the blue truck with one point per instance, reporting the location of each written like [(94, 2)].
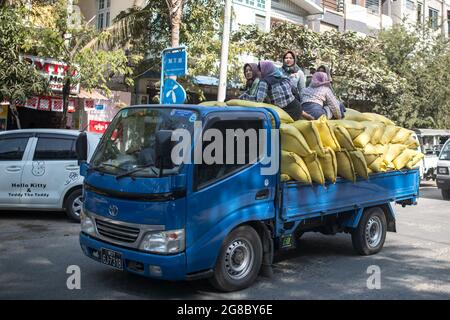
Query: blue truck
[(145, 214)]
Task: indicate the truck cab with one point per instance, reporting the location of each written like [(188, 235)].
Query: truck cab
[(443, 171)]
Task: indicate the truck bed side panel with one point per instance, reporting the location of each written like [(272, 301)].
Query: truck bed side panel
[(303, 201)]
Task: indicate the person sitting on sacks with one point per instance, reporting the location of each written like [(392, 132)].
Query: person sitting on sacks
[(324, 68), (291, 70), (252, 75), (318, 99), (276, 89)]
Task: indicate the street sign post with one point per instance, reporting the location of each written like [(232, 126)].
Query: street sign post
[(174, 63)]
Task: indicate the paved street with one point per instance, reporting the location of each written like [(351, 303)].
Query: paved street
[(36, 249)]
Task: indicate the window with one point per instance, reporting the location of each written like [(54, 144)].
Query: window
[(448, 22), (419, 13), (103, 14), (433, 18), (210, 173), (261, 4), (373, 6), (12, 149), (55, 149), (410, 4), (260, 21)]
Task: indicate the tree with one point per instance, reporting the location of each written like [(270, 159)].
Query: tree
[(58, 34), (18, 81)]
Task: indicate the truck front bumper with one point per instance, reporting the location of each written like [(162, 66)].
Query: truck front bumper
[(166, 267), (443, 182)]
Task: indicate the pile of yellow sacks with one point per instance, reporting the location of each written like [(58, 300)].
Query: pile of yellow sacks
[(360, 144)]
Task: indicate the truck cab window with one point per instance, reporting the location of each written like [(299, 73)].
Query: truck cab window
[(55, 149), (209, 173), (12, 148)]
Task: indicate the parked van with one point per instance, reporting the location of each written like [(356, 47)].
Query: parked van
[(443, 171), (39, 170)]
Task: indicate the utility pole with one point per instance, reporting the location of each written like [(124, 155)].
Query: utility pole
[(224, 53)]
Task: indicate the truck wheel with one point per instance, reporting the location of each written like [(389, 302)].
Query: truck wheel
[(368, 238), (239, 260), (445, 194), (73, 205)]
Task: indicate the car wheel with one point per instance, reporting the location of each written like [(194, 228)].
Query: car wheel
[(239, 260), (73, 204), (368, 238)]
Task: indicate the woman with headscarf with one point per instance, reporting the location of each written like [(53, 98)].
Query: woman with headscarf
[(291, 70), (318, 99), (276, 89), (251, 74)]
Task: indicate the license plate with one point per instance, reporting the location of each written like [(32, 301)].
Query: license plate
[(443, 170), (112, 258)]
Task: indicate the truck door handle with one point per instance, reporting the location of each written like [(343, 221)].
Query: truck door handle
[(13, 169), (262, 194), (72, 168)]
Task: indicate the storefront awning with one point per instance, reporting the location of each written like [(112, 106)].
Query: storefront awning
[(309, 6), (93, 95)]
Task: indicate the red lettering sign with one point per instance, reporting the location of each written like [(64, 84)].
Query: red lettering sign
[(98, 126)]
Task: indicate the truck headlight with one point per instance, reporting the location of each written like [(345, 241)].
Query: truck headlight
[(87, 225), (164, 241)]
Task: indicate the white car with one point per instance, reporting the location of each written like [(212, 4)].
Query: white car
[(443, 171), (39, 170)]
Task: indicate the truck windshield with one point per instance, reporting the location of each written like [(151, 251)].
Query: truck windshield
[(445, 153), (128, 144)]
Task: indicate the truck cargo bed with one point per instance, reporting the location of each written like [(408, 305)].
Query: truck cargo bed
[(301, 201)]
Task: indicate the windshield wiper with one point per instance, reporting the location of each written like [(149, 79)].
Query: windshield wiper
[(137, 169), (101, 165)]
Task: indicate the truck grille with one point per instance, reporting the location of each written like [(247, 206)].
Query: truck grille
[(117, 232)]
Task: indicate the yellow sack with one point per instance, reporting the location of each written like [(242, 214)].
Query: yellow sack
[(285, 177), (326, 133), (293, 141), (412, 163), (402, 160), (378, 165), (345, 167), (359, 164), (389, 134), (379, 118), (372, 130), (315, 169), (377, 132), (369, 170), (370, 158), (283, 115), (329, 165), (212, 104), (402, 136), (354, 128), (294, 166), (311, 134), (393, 151), (344, 138), (412, 143), (351, 114), (377, 149)]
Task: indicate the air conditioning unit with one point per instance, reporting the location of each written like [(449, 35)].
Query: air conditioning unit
[(143, 99)]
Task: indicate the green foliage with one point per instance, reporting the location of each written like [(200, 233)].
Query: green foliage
[(18, 80)]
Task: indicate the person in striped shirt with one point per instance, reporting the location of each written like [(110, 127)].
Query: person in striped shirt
[(318, 98), (275, 88)]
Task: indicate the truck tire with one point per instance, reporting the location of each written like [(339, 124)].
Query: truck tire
[(445, 194), (368, 238), (73, 205), (239, 260)]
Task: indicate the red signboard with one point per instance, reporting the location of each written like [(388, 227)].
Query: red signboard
[(98, 126)]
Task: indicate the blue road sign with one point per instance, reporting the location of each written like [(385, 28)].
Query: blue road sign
[(173, 92), (174, 63)]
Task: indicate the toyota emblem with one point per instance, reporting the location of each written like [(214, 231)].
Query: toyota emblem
[(113, 210)]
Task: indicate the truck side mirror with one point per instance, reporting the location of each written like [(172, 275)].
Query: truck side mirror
[(163, 149), (81, 147)]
